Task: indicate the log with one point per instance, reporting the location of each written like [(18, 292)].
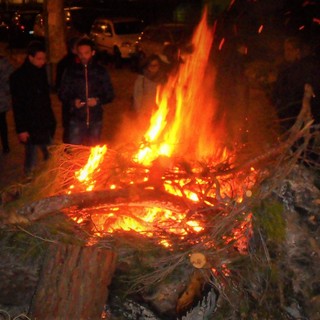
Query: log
[(73, 283), (41, 208)]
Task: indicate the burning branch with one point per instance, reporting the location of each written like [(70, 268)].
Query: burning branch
[(39, 209)]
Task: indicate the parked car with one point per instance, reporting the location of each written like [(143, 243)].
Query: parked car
[(116, 36), (165, 40)]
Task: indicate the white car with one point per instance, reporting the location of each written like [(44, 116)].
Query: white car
[(165, 40), (116, 36)]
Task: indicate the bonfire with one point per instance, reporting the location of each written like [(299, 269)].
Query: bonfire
[(179, 195)]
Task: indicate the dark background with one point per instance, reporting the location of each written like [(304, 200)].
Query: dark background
[(243, 19)]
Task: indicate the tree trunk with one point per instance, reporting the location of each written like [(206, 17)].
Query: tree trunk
[(73, 283), (55, 34)]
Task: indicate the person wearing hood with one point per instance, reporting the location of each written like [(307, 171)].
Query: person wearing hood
[(34, 118), (145, 87)]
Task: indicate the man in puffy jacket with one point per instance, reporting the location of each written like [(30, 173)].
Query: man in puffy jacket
[(85, 87), (34, 118)]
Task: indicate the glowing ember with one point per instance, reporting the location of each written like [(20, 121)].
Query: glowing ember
[(242, 234), (147, 219), (221, 43)]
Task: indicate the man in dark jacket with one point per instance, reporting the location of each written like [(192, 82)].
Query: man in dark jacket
[(34, 118), (86, 87)]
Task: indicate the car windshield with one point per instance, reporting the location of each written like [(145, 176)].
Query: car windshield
[(128, 27)]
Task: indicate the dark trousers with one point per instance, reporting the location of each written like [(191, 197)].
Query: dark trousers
[(81, 134), (4, 132), (30, 159), (65, 122)]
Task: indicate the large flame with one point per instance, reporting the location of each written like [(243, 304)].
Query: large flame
[(183, 123)]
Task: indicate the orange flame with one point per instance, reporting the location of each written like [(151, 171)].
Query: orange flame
[(84, 175), (146, 218), (182, 124)]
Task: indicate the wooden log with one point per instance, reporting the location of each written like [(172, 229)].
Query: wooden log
[(73, 283), (41, 208)]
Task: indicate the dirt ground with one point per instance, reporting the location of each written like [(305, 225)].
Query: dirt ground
[(259, 125)]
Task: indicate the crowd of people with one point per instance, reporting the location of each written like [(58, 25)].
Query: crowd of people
[(84, 86)]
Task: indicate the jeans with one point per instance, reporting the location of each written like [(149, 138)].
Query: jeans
[(81, 134), (30, 159)]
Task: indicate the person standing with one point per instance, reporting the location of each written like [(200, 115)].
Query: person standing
[(85, 87), (69, 59), (232, 89), (5, 70), (34, 118), (145, 87)]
